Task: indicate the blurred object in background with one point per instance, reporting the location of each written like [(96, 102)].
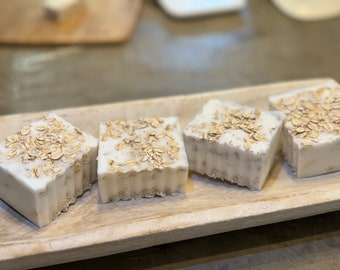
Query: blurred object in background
[(60, 10), (309, 10), (61, 22), (193, 8)]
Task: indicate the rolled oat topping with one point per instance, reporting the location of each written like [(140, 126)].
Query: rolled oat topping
[(232, 119), (311, 113), (147, 139), (51, 142)]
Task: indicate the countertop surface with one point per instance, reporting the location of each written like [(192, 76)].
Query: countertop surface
[(178, 57)]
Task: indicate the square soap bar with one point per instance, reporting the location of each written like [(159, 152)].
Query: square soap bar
[(311, 141), (141, 158), (233, 142), (44, 168)]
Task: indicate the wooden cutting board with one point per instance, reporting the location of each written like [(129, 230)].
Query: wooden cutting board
[(90, 228), (102, 21)]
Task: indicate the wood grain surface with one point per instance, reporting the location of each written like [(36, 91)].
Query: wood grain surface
[(102, 21), (90, 228)]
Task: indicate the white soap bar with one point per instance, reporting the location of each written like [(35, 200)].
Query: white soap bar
[(45, 166), (311, 142), (141, 158), (62, 9), (233, 142)]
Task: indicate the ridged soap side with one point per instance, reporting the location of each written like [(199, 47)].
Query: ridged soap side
[(226, 163), (65, 189), (136, 185)]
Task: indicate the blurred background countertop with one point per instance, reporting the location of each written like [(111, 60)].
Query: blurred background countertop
[(177, 57), (171, 57)]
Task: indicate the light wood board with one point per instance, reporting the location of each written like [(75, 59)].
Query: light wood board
[(102, 21), (90, 228)]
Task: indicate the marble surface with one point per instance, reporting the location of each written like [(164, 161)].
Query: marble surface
[(171, 57)]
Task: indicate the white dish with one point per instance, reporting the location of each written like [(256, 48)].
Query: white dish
[(192, 8)]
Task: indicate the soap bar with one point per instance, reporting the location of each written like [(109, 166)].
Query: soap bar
[(141, 158), (311, 141), (233, 142), (45, 166), (60, 10)]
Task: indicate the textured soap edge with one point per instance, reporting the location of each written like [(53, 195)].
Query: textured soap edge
[(147, 183)]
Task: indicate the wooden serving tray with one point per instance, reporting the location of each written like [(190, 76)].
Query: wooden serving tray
[(90, 228), (102, 21)]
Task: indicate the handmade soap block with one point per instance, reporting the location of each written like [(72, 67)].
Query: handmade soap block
[(311, 141), (141, 158), (44, 168), (233, 142)]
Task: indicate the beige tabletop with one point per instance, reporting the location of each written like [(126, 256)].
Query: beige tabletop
[(170, 57)]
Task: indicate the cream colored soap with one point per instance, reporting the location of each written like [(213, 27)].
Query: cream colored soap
[(45, 166), (141, 158), (311, 141), (233, 142)]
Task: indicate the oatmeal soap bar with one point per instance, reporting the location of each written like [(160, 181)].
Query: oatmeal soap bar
[(45, 166), (141, 158), (311, 141), (233, 142)]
